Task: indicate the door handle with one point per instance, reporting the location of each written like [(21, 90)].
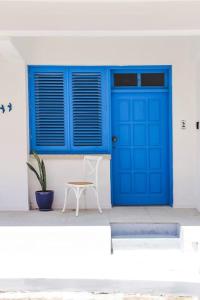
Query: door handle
[(114, 139)]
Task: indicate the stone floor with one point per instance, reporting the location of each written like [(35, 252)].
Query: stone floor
[(143, 214), (88, 296)]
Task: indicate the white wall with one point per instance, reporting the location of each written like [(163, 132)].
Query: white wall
[(64, 169), (13, 131), (99, 17), (181, 53), (198, 133)]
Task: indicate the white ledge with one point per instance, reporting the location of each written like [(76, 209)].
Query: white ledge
[(71, 156), (100, 33)]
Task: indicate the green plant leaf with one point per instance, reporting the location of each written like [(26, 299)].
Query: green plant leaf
[(41, 174), (44, 175), (35, 172), (37, 158)]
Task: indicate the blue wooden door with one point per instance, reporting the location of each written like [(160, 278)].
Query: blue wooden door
[(140, 155)]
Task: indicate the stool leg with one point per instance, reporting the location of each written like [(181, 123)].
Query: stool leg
[(78, 194), (65, 201), (97, 198)]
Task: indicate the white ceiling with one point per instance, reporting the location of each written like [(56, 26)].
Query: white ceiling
[(99, 18)]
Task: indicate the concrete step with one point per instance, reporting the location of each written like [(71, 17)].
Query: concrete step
[(159, 261), (130, 243), (147, 230), (130, 236), (87, 295)]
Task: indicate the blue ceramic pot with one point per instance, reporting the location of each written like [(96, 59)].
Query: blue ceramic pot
[(44, 200)]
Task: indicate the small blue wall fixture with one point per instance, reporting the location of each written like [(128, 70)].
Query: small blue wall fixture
[(2, 108), (9, 106), (6, 108)]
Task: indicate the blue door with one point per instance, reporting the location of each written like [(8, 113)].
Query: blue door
[(140, 147)]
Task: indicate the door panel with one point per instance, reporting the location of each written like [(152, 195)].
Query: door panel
[(140, 161)]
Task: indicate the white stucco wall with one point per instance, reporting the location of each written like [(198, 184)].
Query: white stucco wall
[(198, 133), (178, 52), (63, 169), (13, 131)]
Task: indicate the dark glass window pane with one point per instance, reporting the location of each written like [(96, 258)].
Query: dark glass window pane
[(152, 79), (128, 79)]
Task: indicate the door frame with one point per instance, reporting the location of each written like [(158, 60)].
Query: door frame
[(167, 69)]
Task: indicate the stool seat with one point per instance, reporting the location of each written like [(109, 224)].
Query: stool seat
[(81, 183)]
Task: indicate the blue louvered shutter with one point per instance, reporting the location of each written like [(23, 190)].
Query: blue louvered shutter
[(88, 111), (48, 134)]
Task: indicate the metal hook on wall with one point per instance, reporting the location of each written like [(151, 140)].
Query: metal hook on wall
[(9, 106), (2, 108)]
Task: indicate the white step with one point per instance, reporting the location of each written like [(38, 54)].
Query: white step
[(145, 229), (130, 236), (131, 243)]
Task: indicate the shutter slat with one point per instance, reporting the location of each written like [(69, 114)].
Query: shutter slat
[(49, 109), (87, 109)]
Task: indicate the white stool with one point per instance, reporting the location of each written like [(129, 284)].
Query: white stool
[(91, 164)]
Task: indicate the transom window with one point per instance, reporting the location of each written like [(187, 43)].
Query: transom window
[(152, 79), (126, 79), (138, 80)]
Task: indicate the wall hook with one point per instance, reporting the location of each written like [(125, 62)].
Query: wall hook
[(2, 107), (9, 106)]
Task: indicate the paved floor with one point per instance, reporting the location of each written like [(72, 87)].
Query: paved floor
[(87, 296), (164, 214)]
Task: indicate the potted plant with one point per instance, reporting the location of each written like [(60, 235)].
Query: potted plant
[(44, 198)]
